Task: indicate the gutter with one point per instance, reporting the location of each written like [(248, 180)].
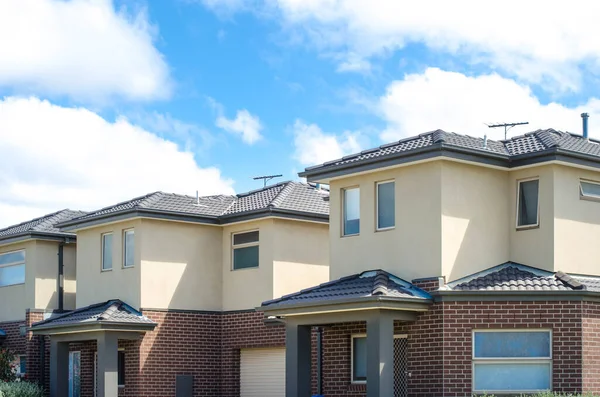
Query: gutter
[(15, 238), (575, 295)]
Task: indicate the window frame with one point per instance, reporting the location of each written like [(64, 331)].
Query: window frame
[(102, 236), (15, 264), (125, 231), (343, 225), (582, 195), (530, 226), (377, 228), (363, 335), (507, 360), (244, 245)]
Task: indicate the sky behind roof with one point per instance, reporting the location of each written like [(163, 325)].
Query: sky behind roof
[(102, 101)]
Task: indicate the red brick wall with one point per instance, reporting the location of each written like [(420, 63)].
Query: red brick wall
[(14, 341), (591, 347)]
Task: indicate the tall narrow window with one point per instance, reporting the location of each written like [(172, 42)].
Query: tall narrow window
[(245, 250), (386, 203), (121, 369), (74, 374), (128, 248), (351, 211), (527, 203), (359, 359), (12, 268), (107, 249)]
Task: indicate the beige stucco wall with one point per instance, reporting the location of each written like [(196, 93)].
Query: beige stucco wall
[(413, 248), (46, 285), (15, 299), (533, 247), (300, 256), (475, 219), (95, 285), (180, 265), (576, 223)]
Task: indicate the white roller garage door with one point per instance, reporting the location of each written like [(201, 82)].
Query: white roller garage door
[(262, 372)]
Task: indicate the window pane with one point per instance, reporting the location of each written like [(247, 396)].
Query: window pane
[(512, 344), (386, 212), (107, 251), (512, 376), (11, 275), (121, 372), (129, 248), (590, 189), (245, 238), (246, 257), (528, 203), (74, 374), (22, 365), (12, 257), (359, 359), (351, 211)]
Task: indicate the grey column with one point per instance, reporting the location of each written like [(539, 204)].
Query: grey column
[(297, 360), (380, 355), (108, 365), (59, 368)]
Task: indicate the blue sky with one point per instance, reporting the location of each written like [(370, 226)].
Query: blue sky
[(102, 101)]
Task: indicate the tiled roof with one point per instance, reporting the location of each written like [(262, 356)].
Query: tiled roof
[(45, 224), (536, 141), (364, 285), (113, 312), (516, 277), (293, 196)]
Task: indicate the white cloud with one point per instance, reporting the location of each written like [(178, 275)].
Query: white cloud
[(539, 41), (56, 157), (313, 146), (245, 124), (458, 103), (83, 49)]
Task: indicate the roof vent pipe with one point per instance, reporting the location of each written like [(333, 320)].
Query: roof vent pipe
[(485, 141), (585, 117)]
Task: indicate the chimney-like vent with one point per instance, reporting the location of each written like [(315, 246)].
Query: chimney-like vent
[(485, 141), (584, 117)]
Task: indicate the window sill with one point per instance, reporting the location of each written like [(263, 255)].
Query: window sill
[(128, 267), (106, 270), (245, 268), (527, 227), (11, 285), (589, 198), (385, 229), (350, 235)]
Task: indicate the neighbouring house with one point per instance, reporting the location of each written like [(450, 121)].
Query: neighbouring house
[(458, 266), (167, 290), (37, 277)]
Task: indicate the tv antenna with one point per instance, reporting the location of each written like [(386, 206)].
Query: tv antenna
[(266, 178), (507, 126)]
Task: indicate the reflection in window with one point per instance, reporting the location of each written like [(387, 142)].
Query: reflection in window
[(351, 211)]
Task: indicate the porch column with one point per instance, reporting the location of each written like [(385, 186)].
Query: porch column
[(297, 360), (380, 355), (108, 367), (59, 368)]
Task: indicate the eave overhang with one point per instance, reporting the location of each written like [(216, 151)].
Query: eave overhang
[(60, 329)]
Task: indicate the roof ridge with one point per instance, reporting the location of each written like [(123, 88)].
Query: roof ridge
[(79, 310), (33, 220), (282, 195), (113, 306), (380, 284), (262, 189)]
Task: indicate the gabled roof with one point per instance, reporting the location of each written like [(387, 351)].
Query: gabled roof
[(291, 198), (369, 284), (109, 314), (42, 227), (513, 152)]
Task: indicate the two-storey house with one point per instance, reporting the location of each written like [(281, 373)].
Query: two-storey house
[(167, 290), (459, 265), (37, 276)]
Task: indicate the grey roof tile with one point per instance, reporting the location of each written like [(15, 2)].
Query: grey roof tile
[(112, 311), (45, 224), (364, 285)]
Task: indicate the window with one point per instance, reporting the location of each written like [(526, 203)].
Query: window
[(20, 365), (74, 374), (589, 190), (386, 202), (245, 250), (128, 248), (515, 361), (359, 359), (351, 216), (12, 268), (528, 203), (107, 240), (121, 370)]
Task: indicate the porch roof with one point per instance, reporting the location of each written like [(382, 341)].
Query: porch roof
[(110, 315)]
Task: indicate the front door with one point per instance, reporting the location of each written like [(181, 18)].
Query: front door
[(401, 374)]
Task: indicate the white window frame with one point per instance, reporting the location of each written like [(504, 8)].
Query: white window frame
[(125, 231), (537, 223), (507, 360), (252, 244), (18, 263), (102, 251), (352, 337), (343, 190), (377, 228), (584, 196)]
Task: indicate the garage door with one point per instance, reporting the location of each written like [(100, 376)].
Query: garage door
[(262, 373)]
